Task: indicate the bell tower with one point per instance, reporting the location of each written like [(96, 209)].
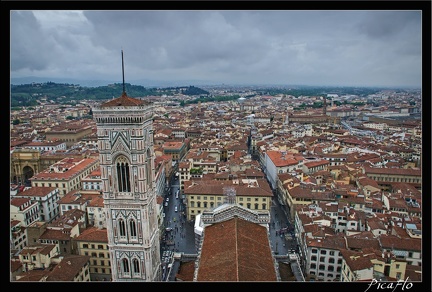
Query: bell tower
[(125, 142)]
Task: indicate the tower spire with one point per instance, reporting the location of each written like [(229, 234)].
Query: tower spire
[(124, 90)]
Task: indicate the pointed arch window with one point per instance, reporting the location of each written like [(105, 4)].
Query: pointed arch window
[(132, 228), (123, 175), (122, 228), (136, 266), (125, 266)]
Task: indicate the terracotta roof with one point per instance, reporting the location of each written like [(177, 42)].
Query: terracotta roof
[(356, 260), (44, 249), (52, 234), (281, 159), (33, 275), (217, 188), (37, 191), (124, 100), (93, 234), (186, 271), (394, 242), (236, 250), (70, 168), (393, 171), (68, 268), (17, 202), (95, 201), (358, 242)]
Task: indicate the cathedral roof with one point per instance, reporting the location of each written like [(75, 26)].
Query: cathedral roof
[(236, 250), (124, 100)]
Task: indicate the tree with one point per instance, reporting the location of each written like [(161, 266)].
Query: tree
[(16, 122)]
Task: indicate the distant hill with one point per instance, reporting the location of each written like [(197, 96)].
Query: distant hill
[(32, 79), (29, 94), (96, 83)]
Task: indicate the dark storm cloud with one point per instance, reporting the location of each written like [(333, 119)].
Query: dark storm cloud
[(296, 47), (27, 48), (387, 24)]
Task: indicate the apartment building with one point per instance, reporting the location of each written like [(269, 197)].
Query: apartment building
[(93, 242), (385, 177), (73, 200), (175, 149), (68, 268), (43, 146), (356, 267), (161, 181), (18, 236), (63, 230), (254, 194), (24, 211), (324, 240), (66, 175), (321, 258), (276, 162), (93, 181), (403, 247), (69, 133), (95, 211), (38, 257), (45, 198)]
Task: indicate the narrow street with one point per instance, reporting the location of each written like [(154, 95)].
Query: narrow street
[(282, 235), (179, 234)]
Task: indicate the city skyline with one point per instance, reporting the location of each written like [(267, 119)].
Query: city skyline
[(238, 47)]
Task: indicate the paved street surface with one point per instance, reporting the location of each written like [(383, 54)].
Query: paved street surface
[(180, 237)]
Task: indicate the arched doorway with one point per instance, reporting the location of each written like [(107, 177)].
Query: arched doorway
[(27, 173)]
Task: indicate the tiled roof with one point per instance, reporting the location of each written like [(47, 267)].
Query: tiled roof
[(68, 268), (124, 100), (236, 250), (356, 260), (93, 234), (17, 202), (95, 201), (37, 191), (186, 271), (217, 188), (394, 242), (33, 275), (52, 234), (354, 242), (281, 159), (71, 167), (394, 171)]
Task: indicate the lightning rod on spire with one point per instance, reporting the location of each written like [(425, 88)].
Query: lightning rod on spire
[(124, 90)]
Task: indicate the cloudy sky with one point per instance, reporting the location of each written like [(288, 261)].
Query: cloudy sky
[(292, 47)]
